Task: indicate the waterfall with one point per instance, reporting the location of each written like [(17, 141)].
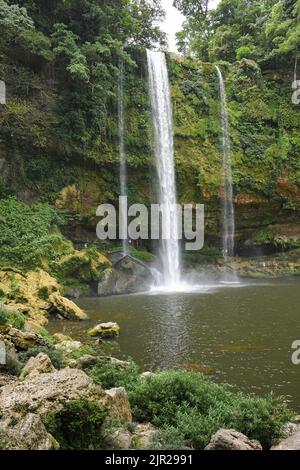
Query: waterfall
[(227, 190), (164, 154), (123, 172)]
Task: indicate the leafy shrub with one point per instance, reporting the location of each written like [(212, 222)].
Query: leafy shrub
[(198, 408), (56, 356), (244, 52), (110, 375), (144, 256), (77, 426), (13, 318), (26, 233), (168, 438)]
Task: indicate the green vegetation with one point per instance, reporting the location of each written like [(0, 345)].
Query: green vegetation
[(56, 356), (265, 31), (77, 426), (109, 375), (13, 318), (197, 408), (28, 234)]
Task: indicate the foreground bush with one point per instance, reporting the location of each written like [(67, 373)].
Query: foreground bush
[(110, 375), (77, 426), (197, 408), (57, 357), (13, 318)]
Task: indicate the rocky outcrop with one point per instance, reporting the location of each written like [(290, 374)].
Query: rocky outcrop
[(48, 392), (105, 330), (85, 266), (40, 364), (117, 405), (36, 294), (229, 439), (23, 340), (66, 308), (128, 275), (26, 433), (68, 346), (143, 436), (291, 443)]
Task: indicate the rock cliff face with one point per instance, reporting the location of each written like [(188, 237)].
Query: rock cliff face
[(265, 128)]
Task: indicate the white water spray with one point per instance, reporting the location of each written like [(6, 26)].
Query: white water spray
[(122, 152), (164, 154), (227, 190)]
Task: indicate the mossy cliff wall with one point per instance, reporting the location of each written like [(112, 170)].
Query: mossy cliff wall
[(39, 162)]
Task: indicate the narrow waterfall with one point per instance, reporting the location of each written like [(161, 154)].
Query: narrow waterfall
[(164, 154), (227, 190), (123, 170)]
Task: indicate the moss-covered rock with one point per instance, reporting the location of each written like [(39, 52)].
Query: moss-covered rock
[(105, 330)]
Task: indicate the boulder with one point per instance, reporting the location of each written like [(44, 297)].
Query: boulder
[(24, 340), (66, 308), (41, 364), (128, 275), (143, 436), (118, 439), (105, 330), (86, 361), (26, 433), (291, 443), (68, 346), (49, 392), (117, 405), (229, 439)]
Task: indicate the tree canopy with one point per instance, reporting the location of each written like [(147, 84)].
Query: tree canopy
[(266, 31), (81, 42)]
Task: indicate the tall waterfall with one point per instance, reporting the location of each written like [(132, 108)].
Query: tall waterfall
[(227, 190), (123, 171), (164, 154)]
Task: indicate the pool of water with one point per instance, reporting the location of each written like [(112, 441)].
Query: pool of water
[(240, 334)]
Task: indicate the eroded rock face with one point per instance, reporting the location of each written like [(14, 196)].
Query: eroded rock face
[(143, 436), (117, 405), (27, 433), (118, 439), (48, 392), (38, 293), (41, 364), (291, 443), (229, 439), (66, 307), (128, 275), (23, 340)]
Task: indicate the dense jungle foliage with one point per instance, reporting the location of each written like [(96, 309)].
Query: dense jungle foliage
[(59, 128)]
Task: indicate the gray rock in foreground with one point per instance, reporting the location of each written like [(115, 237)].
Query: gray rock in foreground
[(291, 443), (229, 439)]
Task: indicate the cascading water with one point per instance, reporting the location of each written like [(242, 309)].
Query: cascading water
[(164, 154), (227, 190), (123, 171)]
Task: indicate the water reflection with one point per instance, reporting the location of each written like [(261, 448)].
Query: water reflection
[(241, 335)]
